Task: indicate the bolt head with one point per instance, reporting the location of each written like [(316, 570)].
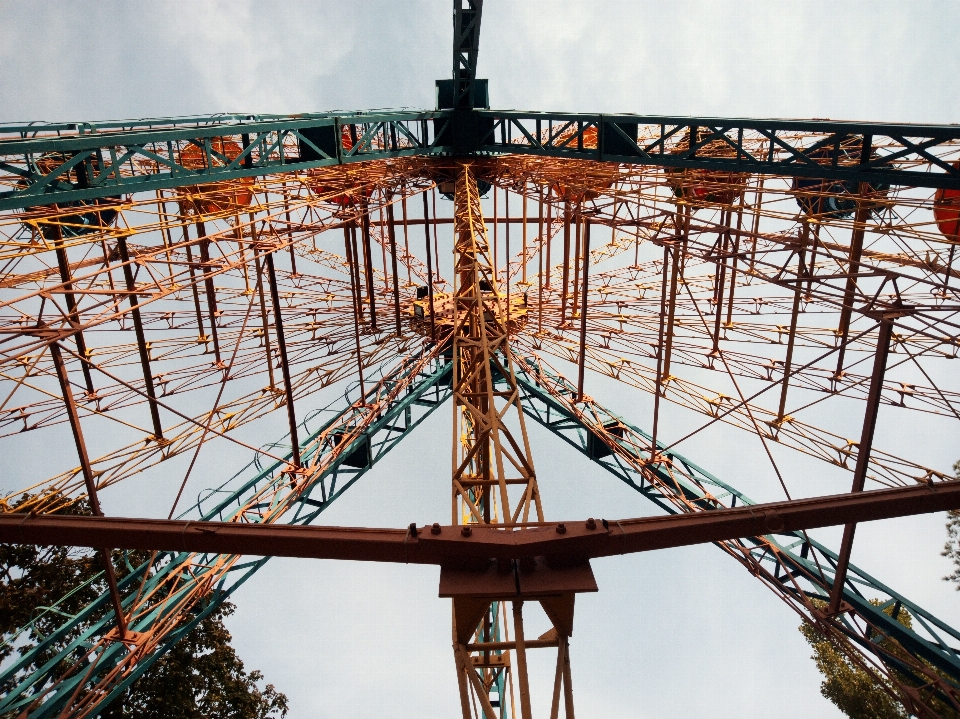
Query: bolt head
[(435, 529)]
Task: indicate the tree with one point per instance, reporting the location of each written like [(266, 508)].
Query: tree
[(855, 692), (952, 548), (850, 688), (201, 677)]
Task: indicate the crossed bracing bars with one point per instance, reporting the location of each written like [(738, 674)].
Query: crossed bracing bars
[(875, 621), (797, 568), (42, 164), (489, 460), (169, 594), (317, 328), (924, 320)]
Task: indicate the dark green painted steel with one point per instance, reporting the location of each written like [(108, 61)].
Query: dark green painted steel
[(105, 160), (798, 559), (96, 156), (467, 15), (896, 153), (428, 390)]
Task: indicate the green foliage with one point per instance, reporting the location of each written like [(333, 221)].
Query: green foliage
[(854, 691), (32, 580), (850, 688), (952, 548), (201, 677)]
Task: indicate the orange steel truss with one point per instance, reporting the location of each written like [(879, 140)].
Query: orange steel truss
[(175, 320), (488, 460)]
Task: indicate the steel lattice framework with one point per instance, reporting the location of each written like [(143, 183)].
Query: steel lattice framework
[(168, 282)]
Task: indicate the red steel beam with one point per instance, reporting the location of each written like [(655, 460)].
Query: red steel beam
[(571, 541), (863, 454), (89, 480), (141, 338), (284, 365)]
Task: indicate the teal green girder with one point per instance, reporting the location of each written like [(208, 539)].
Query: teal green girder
[(799, 569), (796, 567), (86, 161), (103, 160), (426, 388)]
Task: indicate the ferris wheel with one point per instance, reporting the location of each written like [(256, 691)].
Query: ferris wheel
[(166, 283)]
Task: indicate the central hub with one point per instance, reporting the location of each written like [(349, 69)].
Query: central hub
[(511, 313)]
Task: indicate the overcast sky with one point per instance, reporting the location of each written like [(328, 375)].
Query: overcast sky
[(674, 634)]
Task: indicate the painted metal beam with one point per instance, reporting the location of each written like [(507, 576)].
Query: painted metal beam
[(342, 441), (559, 542), (466, 46), (42, 164), (882, 153), (800, 570), (45, 164)]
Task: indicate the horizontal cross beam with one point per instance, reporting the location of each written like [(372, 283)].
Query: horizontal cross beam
[(877, 153), (42, 164), (47, 164), (565, 542)]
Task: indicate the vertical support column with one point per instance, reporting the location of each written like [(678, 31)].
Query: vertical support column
[(524, 253), (284, 366), (735, 260), (721, 279), (496, 229), (863, 456), (575, 278), (485, 449), (426, 234), (164, 219), (583, 308), (265, 323), (679, 218), (88, 479), (791, 340), (558, 679), (73, 313), (812, 265), (523, 678), (436, 238), (462, 663), (383, 245), (368, 261), (567, 683), (201, 336), (506, 254), (350, 241), (286, 214), (658, 387), (484, 378), (263, 318), (856, 250), (755, 229), (506, 232), (540, 262), (565, 282), (406, 234), (548, 227), (391, 228), (113, 288), (210, 290), (141, 339)]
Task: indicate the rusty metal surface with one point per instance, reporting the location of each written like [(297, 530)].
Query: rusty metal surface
[(577, 542)]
